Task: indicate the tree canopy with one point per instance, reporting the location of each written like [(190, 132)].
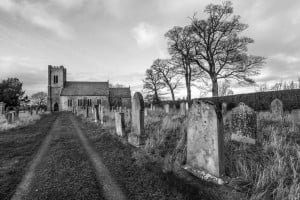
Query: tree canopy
[(11, 91)]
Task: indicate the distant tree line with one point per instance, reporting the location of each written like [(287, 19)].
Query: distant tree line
[(204, 53)]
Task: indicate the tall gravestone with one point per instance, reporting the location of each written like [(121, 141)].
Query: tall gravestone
[(120, 124), (182, 108), (205, 139), (2, 108), (244, 124), (276, 108), (167, 108), (101, 114), (137, 120), (96, 113)]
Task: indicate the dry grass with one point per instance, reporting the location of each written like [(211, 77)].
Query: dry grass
[(25, 119)]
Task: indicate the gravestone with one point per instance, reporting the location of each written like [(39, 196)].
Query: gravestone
[(167, 108), (224, 108), (182, 108), (205, 139), (243, 124), (101, 113), (86, 111), (2, 108), (186, 106), (295, 114), (276, 108), (96, 113), (120, 124), (146, 112), (137, 123), (11, 117)]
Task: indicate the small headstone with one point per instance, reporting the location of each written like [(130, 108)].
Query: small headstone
[(205, 139), (11, 117), (101, 113), (120, 124), (182, 108), (244, 124), (277, 109), (137, 123), (167, 108)]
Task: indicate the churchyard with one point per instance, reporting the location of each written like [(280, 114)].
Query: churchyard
[(255, 153)]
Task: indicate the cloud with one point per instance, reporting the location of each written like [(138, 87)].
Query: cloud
[(145, 35), (37, 14)]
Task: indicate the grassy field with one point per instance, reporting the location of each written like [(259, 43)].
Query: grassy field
[(17, 148)]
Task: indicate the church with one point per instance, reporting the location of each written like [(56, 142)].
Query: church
[(66, 95)]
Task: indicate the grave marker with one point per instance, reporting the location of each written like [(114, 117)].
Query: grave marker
[(205, 139), (277, 109), (244, 124), (120, 124), (137, 123)]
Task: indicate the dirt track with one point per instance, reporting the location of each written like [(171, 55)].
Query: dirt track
[(77, 161)]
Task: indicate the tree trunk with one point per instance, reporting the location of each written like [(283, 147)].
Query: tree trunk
[(172, 93), (188, 87), (215, 88)]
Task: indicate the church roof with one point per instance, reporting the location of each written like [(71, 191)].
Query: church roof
[(85, 89), (120, 92)]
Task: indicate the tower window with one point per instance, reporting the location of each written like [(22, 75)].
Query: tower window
[(55, 79)]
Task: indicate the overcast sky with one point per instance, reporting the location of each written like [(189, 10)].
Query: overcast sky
[(117, 40)]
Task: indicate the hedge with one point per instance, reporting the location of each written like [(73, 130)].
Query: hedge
[(259, 101)]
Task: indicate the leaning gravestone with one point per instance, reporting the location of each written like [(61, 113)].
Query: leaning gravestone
[(137, 120), (205, 140), (277, 109), (120, 124), (244, 124)]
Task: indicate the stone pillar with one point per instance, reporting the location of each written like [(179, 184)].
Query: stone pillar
[(182, 108), (120, 124), (167, 108), (205, 142), (137, 123), (244, 124), (276, 108)]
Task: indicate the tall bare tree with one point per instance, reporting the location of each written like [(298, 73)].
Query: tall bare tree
[(180, 47), (153, 84), (39, 98), (167, 71), (218, 48)]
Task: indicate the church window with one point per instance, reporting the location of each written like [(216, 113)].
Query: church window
[(89, 102), (55, 79)]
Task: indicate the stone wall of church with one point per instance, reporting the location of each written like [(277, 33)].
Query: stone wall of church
[(65, 107)]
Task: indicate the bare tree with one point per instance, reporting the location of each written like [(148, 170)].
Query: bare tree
[(153, 84), (180, 46), (218, 48), (39, 98), (224, 88), (167, 71)]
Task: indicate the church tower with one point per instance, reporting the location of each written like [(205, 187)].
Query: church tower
[(57, 77)]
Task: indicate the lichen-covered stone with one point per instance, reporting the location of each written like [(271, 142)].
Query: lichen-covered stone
[(205, 139), (243, 124)]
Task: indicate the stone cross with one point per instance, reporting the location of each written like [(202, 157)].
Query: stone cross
[(277, 109), (137, 122), (120, 124), (205, 139), (244, 124)]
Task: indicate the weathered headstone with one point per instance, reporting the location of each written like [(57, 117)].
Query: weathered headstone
[(244, 124), (11, 117), (167, 108), (224, 108), (2, 108), (277, 109), (137, 123), (205, 139), (120, 124), (146, 112), (96, 113), (295, 114), (182, 108), (86, 111)]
